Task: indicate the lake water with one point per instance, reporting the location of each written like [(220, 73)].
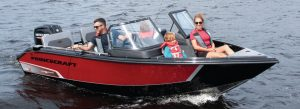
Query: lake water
[(268, 26)]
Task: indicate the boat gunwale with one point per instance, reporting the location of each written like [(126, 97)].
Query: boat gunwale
[(158, 60)]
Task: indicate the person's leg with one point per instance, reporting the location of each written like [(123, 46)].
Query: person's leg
[(225, 49), (215, 55)]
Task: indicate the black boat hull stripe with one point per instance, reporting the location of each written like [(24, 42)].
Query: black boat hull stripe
[(195, 72)]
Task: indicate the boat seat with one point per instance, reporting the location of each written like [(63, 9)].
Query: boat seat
[(188, 50), (62, 39), (87, 34), (99, 47), (182, 41)]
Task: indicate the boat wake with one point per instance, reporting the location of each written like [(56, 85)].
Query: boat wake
[(168, 101), (194, 99)]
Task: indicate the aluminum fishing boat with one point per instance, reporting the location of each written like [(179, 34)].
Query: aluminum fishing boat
[(136, 67)]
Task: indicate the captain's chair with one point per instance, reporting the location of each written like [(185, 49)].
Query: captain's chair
[(87, 34), (62, 39)]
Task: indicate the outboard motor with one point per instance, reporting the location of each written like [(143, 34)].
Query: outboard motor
[(40, 31)]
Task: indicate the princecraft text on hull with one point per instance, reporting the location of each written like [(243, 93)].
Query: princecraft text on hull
[(136, 67)]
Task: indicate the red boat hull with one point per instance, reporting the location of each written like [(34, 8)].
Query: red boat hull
[(105, 72)]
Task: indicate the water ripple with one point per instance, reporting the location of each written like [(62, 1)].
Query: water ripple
[(54, 1), (120, 14)]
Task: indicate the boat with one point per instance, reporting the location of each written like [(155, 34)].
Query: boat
[(136, 67)]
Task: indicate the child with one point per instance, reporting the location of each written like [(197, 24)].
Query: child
[(170, 47)]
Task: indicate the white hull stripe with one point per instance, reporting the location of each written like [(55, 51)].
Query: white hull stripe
[(195, 72), (28, 67)]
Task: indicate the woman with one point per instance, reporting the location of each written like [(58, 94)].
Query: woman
[(203, 44), (170, 47)]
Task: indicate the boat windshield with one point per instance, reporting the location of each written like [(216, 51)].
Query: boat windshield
[(134, 35), (184, 20)]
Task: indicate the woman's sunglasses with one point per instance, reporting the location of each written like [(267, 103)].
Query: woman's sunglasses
[(198, 23)]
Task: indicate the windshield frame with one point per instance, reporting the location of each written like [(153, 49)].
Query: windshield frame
[(185, 35)]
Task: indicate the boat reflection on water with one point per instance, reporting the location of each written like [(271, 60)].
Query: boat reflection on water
[(56, 94)]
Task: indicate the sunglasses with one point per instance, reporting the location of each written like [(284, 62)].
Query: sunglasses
[(198, 23), (96, 27)]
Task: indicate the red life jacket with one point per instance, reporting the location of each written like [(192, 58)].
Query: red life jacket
[(174, 49), (203, 38), (148, 34)]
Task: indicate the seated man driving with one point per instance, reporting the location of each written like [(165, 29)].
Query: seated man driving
[(101, 33)]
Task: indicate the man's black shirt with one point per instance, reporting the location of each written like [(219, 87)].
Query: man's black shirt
[(104, 41)]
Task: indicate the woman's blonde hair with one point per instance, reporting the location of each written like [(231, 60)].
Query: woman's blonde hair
[(169, 36), (199, 15)]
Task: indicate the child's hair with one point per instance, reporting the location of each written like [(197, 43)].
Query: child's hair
[(169, 36)]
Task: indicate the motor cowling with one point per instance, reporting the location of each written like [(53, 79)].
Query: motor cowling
[(40, 31)]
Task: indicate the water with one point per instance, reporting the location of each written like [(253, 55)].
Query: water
[(271, 27)]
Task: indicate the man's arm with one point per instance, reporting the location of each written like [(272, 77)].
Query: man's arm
[(86, 47)]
